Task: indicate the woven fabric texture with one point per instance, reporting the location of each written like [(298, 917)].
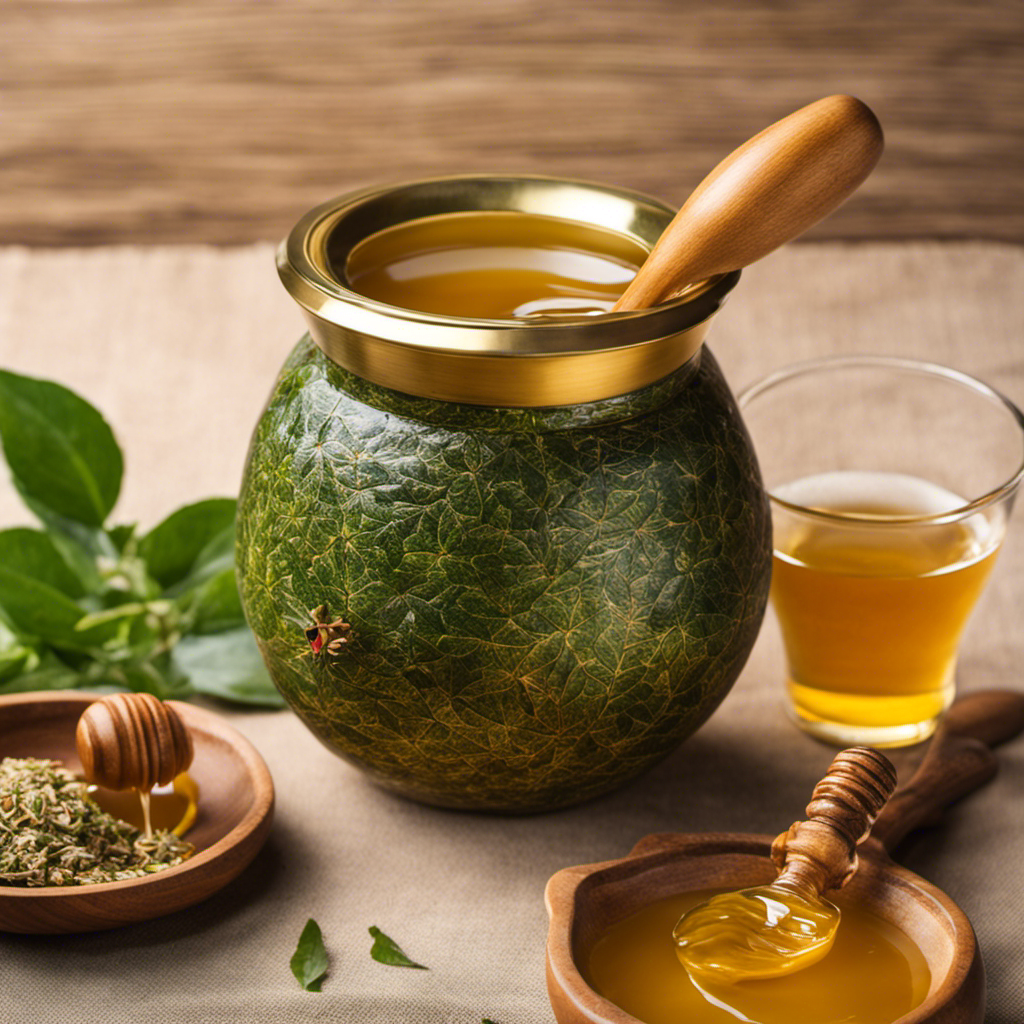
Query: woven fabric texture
[(178, 347)]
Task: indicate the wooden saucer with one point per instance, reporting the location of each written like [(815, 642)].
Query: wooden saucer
[(236, 806), (584, 901)]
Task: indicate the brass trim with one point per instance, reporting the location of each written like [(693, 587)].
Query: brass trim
[(571, 378), (490, 362)]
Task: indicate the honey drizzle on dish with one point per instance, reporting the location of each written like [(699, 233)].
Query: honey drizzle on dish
[(172, 807)]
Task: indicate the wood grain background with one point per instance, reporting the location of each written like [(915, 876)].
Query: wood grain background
[(222, 121)]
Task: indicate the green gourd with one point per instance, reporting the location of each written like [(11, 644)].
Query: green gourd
[(527, 606)]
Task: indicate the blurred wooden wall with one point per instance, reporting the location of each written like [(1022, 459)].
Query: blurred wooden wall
[(221, 121)]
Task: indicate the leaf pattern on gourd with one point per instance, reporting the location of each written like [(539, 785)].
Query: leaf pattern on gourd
[(543, 602)]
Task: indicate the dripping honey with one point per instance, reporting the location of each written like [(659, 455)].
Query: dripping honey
[(495, 265), (873, 974), (172, 807)]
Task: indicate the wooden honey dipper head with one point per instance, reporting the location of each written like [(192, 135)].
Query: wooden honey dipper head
[(820, 853), (132, 741), (773, 930)]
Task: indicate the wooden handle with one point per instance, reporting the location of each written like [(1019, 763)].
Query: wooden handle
[(820, 853), (771, 189), (132, 741), (959, 759)]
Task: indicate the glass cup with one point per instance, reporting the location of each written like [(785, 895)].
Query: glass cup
[(891, 482)]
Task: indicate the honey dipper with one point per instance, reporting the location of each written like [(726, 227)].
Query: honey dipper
[(132, 741), (767, 192), (775, 929)]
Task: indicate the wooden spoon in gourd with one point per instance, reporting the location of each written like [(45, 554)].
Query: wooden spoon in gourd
[(766, 193)]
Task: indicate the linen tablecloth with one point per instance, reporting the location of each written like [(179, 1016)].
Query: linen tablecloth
[(178, 347)]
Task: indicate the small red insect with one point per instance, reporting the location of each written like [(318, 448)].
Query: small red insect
[(327, 635)]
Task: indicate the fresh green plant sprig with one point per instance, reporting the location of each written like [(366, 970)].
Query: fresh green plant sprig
[(86, 604)]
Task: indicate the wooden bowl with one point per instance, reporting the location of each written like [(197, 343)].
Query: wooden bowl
[(583, 902), (236, 806)]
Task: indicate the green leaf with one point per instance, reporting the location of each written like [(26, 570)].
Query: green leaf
[(43, 611), (386, 951), (159, 675), (173, 548), (309, 961), (91, 539), (227, 665), (217, 606), (60, 450), (218, 556), (16, 656), (33, 553), (120, 535), (16, 661), (49, 673), (80, 603), (80, 545)]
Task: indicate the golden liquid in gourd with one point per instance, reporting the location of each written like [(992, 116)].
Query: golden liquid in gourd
[(873, 974), (871, 616), (172, 807), (495, 265)]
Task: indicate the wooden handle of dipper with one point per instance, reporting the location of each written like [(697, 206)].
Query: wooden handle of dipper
[(766, 193), (959, 759), (132, 741), (821, 852)]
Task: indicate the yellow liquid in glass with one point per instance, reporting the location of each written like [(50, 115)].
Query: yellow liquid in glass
[(495, 265), (871, 616), (873, 974)]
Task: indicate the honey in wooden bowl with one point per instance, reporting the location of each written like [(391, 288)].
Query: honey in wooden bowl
[(495, 264), (172, 807), (873, 974)]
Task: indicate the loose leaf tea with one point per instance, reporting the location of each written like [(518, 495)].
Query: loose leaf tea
[(386, 951), (309, 961), (87, 604), (52, 834)]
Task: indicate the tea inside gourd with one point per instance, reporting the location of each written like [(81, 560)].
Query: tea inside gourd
[(495, 265), (873, 974), (872, 612)]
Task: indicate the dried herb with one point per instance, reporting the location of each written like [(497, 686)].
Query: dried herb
[(52, 834), (88, 604), (386, 951), (309, 961)]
